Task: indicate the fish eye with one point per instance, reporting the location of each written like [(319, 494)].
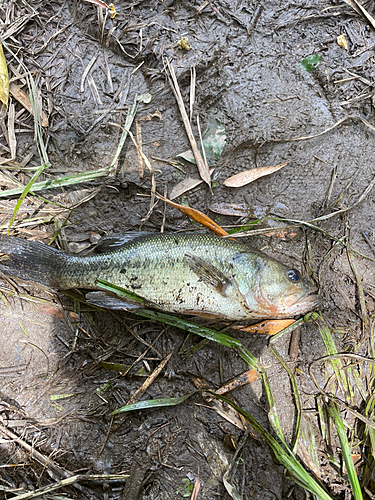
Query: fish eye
[(293, 275)]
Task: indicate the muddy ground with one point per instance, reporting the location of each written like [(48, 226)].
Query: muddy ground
[(88, 68)]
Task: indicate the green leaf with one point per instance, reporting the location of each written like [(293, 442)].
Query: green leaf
[(186, 489), (334, 413), (213, 143), (153, 403), (24, 191), (311, 62)]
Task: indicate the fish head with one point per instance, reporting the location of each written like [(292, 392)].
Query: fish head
[(269, 289)]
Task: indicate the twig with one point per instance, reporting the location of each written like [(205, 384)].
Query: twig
[(141, 164), (193, 77), (86, 72), (150, 380), (303, 138), (71, 481), (153, 180)]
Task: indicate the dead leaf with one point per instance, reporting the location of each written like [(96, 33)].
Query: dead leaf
[(4, 78), (24, 100), (185, 185), (52, 310), (232, 209), (243, 379), (151, 116), (197, 216), (341, 40), (112, 10), (268, 327), (248, 176), (281, 234), (197, 487), (183, 43)]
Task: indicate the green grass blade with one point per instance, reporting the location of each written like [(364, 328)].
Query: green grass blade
[(336, 364), (153, 403), (297, 399), (68, 180), (335, 415), (24, 193)]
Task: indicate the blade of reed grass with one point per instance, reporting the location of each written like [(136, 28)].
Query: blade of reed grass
[(68, 180), (153, 403), (24, 193), (336, 364), (297, 399), (334, 413)]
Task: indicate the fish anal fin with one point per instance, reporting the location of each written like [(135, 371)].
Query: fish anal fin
[(208, 273), (109, 300)]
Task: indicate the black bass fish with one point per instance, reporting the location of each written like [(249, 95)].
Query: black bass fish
[(196, 274)]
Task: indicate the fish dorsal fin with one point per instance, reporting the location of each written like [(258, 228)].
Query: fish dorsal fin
[(114, 243), (208, 273), (109, 300)]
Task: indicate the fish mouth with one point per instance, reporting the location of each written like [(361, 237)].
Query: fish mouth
[(308, 301)]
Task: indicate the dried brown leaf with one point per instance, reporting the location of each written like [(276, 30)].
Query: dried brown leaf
[(197, 216), (268, 327), (248, 176), (341, 40), (185, 185), (243, 379), (4, 78), (24, 100), (232, 209)]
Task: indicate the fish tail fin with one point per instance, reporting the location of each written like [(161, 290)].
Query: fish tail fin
[(30, 260)]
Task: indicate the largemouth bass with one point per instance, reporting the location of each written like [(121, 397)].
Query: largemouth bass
[(195, 274)]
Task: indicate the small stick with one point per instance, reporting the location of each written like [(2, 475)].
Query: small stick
[(201, 139), (71, 480), (294, 343), (12, 141), (138, 133), (193, 76), (149, 381)]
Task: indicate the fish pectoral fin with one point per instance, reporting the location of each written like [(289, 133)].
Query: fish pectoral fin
[(208, 273), (114, 243), (109, 300)]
